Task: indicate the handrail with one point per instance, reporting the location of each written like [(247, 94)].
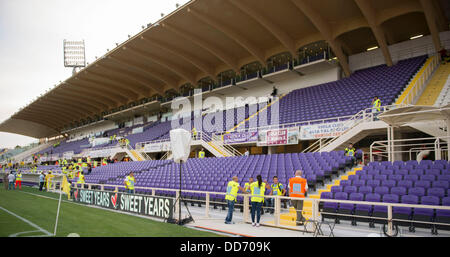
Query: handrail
[(383, 145), (419, 81), (355, 120)]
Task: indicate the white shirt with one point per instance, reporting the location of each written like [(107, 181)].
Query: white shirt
[(11, 178), (246, 153)]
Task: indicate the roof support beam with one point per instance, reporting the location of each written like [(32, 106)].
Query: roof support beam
[(76, 100), (74, 109), (90, 94), (167, 64), (111, 84), (129, 76), (430, 16), (70, 94), (236, 36), (273, 28), (219, 53), (55, 115), (369, 12), (140, 88), (324, 27), (45, 119), (398, 10), (194, 60), (33, 118), (441, 18), (154, 74), (88, 86)]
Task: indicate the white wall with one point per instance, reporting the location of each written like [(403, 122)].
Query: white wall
[(399, 51)]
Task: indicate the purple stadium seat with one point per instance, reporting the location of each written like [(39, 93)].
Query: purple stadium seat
[(418, 191)]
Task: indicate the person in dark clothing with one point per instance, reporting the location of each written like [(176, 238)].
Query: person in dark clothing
[(89, 168), (444, 56)]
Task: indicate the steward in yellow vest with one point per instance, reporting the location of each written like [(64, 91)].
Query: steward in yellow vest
[(232, 189), (129, 182)]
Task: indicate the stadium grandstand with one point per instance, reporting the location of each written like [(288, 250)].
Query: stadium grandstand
[(273, 87)]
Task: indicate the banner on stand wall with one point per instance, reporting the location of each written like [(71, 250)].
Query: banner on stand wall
[(284, 136), (326, 130)]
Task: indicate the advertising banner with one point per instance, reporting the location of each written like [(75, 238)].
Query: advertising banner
[(240, 137), (157, 147), (68, 155), (326, 130), (99, 141), (154, 206), (285, 136), (137, 130)]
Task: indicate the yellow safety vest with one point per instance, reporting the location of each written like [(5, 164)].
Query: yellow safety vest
[(377, 104), (201, 154), (350, 152), (258, 192), (130, 182), (247, 187), (19, 177), (232, 189), (277, 189), (81, 179)]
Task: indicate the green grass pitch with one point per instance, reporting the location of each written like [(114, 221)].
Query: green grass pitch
[(75, 218)]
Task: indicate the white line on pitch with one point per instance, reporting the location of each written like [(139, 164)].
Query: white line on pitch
[(28, 222)]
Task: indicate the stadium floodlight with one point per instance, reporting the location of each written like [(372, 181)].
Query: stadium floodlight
[(74, 54), (372, 48)]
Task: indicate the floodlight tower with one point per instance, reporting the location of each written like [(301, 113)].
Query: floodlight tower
[(74, 55)]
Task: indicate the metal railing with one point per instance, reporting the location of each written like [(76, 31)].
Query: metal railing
[(420, 81), (387, 148), (365, 115), (313, 216)]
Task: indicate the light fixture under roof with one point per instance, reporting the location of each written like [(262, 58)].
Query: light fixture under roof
[(414, 37), (372, 48)]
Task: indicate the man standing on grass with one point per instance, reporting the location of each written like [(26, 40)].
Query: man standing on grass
[(19, 180), (41, 180), (11, 179)]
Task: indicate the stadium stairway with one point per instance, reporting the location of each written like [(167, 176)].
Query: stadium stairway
[(289, 218), (444, 97), (255, 115), (434, 86), (412, 82)]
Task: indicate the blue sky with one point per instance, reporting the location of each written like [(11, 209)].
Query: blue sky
[(31, 42)]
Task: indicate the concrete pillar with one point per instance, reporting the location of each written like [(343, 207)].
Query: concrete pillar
[(272, 149), (398, 156)]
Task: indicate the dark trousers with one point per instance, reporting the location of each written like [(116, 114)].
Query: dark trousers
[(256, 209), (270, 202), (298, 205), (41, 184), (230, 211)]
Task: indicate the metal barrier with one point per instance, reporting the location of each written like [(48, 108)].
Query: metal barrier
[(388, 148), (315, 214), (419, 82), (365, 115)]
